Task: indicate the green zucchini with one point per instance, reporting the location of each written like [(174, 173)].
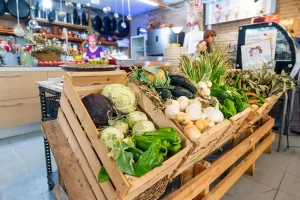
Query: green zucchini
[(182, 82), (178, 91), (164, 93)]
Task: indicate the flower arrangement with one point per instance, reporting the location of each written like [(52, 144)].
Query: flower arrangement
[(42, 45)]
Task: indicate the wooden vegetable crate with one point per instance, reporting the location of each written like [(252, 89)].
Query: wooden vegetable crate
[(209, 141), (255, 116), (89, 149)]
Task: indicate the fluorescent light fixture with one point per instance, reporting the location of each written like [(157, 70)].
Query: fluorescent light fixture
[(152, 3), (177, 29), (47, 4)]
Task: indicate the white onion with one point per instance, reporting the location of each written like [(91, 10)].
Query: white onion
[(194, 111), (172, 111), (183, 102), (214, 114)]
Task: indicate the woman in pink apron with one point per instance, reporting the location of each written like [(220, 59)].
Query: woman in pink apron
[(93, 51)]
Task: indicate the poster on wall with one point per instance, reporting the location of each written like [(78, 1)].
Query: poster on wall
[(232, 10), (254, 55), (256, 35)]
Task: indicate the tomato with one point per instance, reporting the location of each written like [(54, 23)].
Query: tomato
[(41, 63), (50, 63), (55, 63), (46, 63)]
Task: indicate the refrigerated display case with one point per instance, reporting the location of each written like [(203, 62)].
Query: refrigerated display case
[(286, 48), (138, 46)]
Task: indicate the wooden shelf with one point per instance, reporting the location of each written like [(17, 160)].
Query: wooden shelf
[(108, 43), (79, 40), (6, 32), (9, 17), (62, 24)]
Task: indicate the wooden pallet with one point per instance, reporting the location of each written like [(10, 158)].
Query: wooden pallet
[(89, 149), (248, 150)]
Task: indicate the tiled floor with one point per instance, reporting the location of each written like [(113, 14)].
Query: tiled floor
[(23, 172), (23, 168)]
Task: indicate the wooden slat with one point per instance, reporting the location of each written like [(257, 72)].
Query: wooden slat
[(117, 177), (219, 190), (75, 181), (59, 193), (67, 131), (93, 89), (187, 175), (200, 182), (92, 78), (85, 146)]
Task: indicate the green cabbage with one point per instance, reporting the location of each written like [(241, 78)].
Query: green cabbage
[(122, 97)]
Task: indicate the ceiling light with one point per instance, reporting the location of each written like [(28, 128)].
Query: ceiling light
[(149, 2), (47, 4), (177, 29)]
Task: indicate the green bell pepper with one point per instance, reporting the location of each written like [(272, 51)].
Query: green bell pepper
[(174, 149), (245, 105), (227, 114), (244, 97), (238, 103), (103, 175), (230, 106), (165, 134), (149, 159), (144, 143), (137, 153)]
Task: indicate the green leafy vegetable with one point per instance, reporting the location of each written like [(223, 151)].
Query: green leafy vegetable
[(124, 160)]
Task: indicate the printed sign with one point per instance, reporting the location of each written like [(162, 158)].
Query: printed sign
[(257, 35), (256, 54), (198, 5)]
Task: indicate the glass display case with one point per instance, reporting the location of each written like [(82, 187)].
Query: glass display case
[(284, 47), (138, 46)]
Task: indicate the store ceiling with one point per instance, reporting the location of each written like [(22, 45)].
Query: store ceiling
[(136, 6)]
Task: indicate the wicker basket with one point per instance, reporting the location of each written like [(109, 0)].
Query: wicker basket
[(155, 191), (46, 56)]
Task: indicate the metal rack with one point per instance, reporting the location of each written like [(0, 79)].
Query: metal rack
[(49, 107), (287, 114)]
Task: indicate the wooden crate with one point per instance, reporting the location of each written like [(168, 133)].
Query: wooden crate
[(247, 152), (209, 141), (89, 148), (255, 116)]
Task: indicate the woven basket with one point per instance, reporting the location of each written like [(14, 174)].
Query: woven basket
[(155, 191), (46, 56)]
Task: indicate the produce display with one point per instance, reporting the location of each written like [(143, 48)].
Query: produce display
[(135, 144), (180, 100), (202, 95)]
